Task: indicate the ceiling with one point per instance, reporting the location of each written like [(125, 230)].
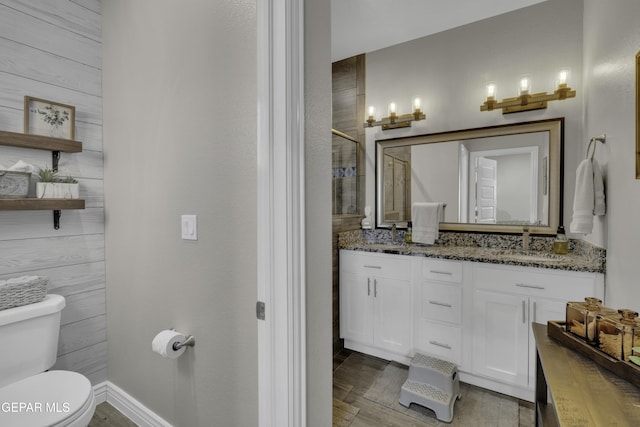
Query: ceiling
[(363, 26)]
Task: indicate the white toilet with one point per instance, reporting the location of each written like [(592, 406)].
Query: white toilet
[(29, 396)]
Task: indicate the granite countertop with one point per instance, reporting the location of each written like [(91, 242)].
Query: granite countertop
[(492, 249)]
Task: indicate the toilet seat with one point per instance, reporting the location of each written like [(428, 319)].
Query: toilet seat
[(51, 399)]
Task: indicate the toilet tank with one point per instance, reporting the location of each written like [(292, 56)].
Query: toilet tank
[(29, 336)]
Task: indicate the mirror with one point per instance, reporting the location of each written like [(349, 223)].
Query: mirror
[(493, 179)]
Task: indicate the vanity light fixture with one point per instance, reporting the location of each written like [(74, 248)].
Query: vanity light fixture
[(526, 100), (394, 121)]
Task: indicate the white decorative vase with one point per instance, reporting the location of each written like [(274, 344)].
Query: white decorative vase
[(57, 190)]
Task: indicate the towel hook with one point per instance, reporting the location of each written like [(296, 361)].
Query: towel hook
[(602, 138)]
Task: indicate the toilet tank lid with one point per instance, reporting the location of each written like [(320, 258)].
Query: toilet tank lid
[(50, 304)]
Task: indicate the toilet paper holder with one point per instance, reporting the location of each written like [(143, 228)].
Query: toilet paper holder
[(189, 341)]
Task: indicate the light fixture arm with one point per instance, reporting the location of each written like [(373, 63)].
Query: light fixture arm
[(395, 121), (528, 102)]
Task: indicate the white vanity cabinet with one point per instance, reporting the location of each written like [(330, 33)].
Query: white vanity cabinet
[(376, 303), (438, 308), (477, 315), (506, 300)]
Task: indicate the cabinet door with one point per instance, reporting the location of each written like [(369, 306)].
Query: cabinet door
[(501, 338), (392, 315), (356, 308), (541, 311)]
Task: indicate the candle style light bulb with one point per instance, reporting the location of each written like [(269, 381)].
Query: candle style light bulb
[(371, 119), (562, 79), (392, 108), (525, 86), (491, 91), (417, 104)]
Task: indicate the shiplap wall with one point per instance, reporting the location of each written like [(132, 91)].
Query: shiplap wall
[(52, 49)]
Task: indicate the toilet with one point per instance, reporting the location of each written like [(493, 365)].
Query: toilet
[(31, 396)]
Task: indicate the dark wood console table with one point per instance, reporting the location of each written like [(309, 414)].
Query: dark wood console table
[(573, 391)]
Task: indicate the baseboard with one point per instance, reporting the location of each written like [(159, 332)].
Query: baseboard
[(127, 405), (100, 392)]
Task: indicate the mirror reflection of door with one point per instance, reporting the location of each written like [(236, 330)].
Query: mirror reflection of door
[(485, 193), (504, 185)]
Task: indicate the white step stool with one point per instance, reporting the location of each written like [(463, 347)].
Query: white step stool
[(432, 383)]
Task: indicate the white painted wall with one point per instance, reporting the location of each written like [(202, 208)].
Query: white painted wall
[(53, 50), (450, 70), (611, 42), (180, 138)]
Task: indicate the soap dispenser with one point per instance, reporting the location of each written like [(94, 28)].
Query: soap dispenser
[(561, 243), (408, 233)]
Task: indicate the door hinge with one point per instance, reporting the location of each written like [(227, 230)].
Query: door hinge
[(260, 310)]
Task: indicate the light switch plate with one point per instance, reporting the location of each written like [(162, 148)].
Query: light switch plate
[(189, 227)]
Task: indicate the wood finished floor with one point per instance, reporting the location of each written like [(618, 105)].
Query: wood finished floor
[(355, 373), (352, 380), (108, 416)]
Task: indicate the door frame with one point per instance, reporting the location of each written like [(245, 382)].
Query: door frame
[(280, 214)]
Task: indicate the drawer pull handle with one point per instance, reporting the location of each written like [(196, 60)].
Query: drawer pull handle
[(448, 273), (524, 285), (368, 286), (443, 304), (447, 346), (379, 267), (524, 314), (375, 288)]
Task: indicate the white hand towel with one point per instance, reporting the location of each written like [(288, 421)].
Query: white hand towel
[(589, 197), (599, 207), (425, 218)]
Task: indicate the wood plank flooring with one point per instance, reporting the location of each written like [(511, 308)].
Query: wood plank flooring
[(108, 416), (355, 374)]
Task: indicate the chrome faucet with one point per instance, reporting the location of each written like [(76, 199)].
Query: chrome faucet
[(525, 238), (393, 233)]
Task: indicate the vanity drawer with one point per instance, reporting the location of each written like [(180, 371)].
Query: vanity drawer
[(442, 341), (442, 302), (445, 271), (373, 264), (559, 284)]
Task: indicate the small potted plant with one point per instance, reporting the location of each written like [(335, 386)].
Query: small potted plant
[(51, 186)]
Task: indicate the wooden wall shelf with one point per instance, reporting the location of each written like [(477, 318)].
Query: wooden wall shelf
[(56, 146), (39, 142), (29, 204)]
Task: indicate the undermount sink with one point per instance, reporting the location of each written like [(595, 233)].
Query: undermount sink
[(530, 255), (394, 245)]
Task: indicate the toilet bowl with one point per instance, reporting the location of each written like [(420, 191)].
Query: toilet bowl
[(30, 396), (53, 398)]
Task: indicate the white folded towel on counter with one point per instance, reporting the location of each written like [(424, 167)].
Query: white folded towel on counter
[(589, 197), (425, 219)]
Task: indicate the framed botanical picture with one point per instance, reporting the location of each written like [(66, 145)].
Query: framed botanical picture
[(48, 118)]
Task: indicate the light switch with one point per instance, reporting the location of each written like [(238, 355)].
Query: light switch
[(189, 227)]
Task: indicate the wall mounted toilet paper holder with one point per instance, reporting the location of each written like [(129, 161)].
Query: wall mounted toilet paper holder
[(189, 341)]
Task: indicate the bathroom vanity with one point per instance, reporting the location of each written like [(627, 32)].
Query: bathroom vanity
[(472, 306)]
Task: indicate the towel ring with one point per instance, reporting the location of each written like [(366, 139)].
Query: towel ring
[(593, 141)]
